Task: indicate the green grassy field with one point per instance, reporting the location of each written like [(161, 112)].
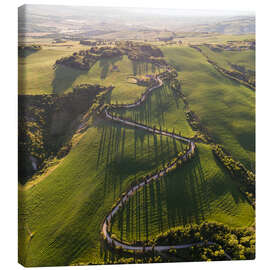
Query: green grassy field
[(37, 75), (124, 92), (223, 58), (65, 210), (199, 191), (226, 108), (161, 109)]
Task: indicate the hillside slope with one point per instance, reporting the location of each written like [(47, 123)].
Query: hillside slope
[(226, 108), (65, 210), (199, 191)]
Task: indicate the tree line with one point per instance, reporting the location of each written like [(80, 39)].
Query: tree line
[(85, 59), (238, 243), (212, 242), (239, 171)]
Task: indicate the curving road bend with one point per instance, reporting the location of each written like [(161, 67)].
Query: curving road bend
[(128, 194)]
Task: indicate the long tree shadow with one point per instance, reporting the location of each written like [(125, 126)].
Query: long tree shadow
[(135, 67), (26, 53), (138, 215), (139, 68), (189, 194), (147, 206), (64, 77), (183, 198), (155, 110), (146, 217), (159, 206), (106, 64), (114, 158), (118, 163)]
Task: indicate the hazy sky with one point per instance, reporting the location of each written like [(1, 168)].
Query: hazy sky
[(246, 5)]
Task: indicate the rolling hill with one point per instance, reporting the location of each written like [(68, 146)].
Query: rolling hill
[(199, 191), (61, 215), (226, 108)]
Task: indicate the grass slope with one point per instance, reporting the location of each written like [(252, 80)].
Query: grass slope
[(36, 72), (161, 109), (244, 58), (65, 210), (199, 191), (60, 216), (225, 107), (37, 76), (124, 92)]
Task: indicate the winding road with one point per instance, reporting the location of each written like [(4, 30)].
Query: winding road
[(189, 152)]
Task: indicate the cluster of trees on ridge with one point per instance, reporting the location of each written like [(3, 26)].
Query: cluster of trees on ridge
[(85, 59), (169, 74), (238, 243), (96, 42), (215, 242), (233, 46), (46, 124)]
